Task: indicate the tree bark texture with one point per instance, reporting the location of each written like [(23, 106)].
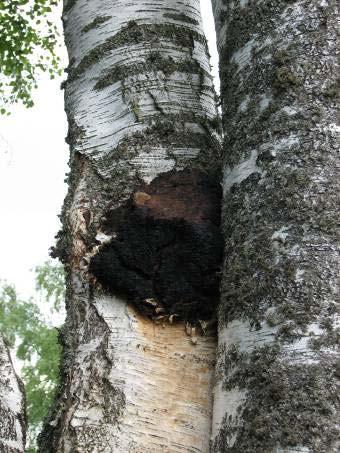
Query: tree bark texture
[(12, 406), (140, 104), (277, 369)]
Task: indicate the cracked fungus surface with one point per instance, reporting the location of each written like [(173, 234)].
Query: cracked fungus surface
[(167, 246)]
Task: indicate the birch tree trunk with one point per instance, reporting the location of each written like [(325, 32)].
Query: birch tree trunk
[(140, 104), (277, 374), (12, 406)]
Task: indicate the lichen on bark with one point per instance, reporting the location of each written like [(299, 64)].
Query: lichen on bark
[(281, 189)]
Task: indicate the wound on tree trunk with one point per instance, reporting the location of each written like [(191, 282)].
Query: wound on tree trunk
[(167, 248)]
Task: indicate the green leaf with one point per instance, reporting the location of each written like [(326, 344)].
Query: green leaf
[(29, 37)]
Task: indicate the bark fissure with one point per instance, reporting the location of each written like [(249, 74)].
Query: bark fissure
[(155, 62), (94, 24)]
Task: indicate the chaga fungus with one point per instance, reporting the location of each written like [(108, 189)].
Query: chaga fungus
[(167, 248)]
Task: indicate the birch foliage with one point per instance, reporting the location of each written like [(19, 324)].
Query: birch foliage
[(28, 47)]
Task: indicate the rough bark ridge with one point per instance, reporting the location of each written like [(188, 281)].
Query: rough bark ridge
[(12, 406), (140, 103), (277, 375)]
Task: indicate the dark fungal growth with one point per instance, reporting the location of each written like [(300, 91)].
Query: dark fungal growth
[(167, 248)]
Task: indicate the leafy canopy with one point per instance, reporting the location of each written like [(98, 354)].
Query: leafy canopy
[(35, 341), (28, 43)]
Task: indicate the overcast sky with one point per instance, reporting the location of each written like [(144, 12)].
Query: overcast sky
[(33, 162)]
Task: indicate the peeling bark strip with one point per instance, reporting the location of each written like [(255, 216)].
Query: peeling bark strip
[(141, 110), (277, 370), (12, 406)]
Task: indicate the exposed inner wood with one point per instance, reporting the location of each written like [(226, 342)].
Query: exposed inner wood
[(168, 385)]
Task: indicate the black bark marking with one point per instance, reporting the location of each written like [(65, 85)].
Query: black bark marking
[(167, 246)]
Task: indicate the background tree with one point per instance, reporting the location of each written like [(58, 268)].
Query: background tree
[(277, 373), (35, 342), (12, 405), (140, 103), (29, 40)]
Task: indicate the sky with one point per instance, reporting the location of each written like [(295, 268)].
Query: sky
[(33, 163)]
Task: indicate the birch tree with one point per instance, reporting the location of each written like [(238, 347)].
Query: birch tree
[(12, 406), (144, 153), (277, 375)]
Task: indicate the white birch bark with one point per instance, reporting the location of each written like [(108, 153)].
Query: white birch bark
[(12, 406), (277, 368), (140, 102)]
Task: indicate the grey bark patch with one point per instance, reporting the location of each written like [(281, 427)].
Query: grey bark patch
[(168, 246), (154, 62), (95, 23), (182, 18), (277, 392)]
